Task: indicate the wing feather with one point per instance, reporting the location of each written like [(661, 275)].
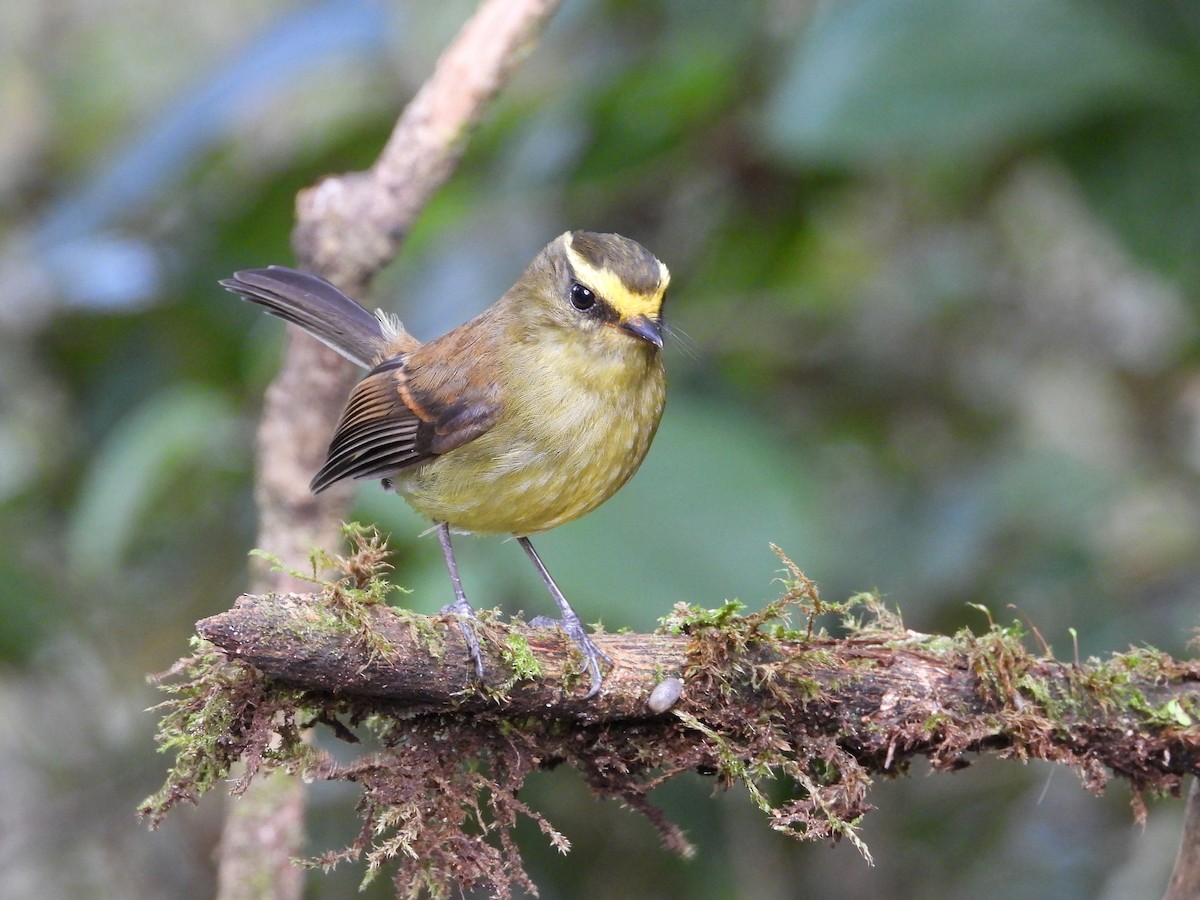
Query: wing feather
[(396, 419)]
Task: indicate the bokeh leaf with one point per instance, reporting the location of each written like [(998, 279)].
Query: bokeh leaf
[(177, 431), (949, 78)]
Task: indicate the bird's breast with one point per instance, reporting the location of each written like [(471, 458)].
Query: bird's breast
[(575, 427)]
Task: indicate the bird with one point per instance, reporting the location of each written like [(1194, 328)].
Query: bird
[(522, 419)]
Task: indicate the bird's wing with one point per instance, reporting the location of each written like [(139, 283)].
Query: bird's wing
[(409, 409), (320, 309)]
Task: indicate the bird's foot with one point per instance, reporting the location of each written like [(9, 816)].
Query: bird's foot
[(466, 619), (592, 655)]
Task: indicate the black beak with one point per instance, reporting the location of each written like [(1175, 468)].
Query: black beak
[(645, 328)]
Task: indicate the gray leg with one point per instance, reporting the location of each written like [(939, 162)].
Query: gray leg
[(460, 606), (570, 621)]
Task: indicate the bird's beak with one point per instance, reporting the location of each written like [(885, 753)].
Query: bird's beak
[(645, 328)]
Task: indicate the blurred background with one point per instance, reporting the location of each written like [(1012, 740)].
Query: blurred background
[(936, 292)]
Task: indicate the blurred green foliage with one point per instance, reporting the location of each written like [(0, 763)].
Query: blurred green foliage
[(935, 289)]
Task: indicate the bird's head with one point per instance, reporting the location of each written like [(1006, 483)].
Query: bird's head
[(604, 284)]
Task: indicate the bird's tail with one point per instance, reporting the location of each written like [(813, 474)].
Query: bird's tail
[(316, 306)]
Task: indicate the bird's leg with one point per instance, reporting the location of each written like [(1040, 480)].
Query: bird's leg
[(570, 621), (460, 606)]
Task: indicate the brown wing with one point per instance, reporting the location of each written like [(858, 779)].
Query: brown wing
[(409, 409)]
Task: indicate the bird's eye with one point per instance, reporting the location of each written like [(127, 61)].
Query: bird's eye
[(582, 298)]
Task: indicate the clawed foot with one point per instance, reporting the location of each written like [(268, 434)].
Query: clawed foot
[(569, 622), (571, 626), (592, 655), (466, 618)]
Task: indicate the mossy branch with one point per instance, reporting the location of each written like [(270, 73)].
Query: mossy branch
[(892, 695), (740, 697)]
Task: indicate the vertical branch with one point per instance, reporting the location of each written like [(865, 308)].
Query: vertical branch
[(348, 227), (264, 829), (1185, 879)]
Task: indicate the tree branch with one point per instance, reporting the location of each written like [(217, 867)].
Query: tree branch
[(886, 695), (741, 697)]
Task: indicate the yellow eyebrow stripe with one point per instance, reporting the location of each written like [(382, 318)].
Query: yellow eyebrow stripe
[(608, 285)]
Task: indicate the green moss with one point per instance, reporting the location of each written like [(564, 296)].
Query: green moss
[(824, 786), (762, 653), (686, 618), (222, 712), (194, 724), (518, 656)]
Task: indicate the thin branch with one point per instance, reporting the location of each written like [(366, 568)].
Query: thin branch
[(350, 226)]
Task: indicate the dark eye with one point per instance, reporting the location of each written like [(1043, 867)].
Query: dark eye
[(581, 297)]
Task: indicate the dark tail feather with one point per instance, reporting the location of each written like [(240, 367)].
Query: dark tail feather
[(316, 306)]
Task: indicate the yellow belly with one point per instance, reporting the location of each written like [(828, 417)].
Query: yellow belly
[(563, 446)]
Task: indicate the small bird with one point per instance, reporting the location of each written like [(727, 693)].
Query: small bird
[(528, 416)]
